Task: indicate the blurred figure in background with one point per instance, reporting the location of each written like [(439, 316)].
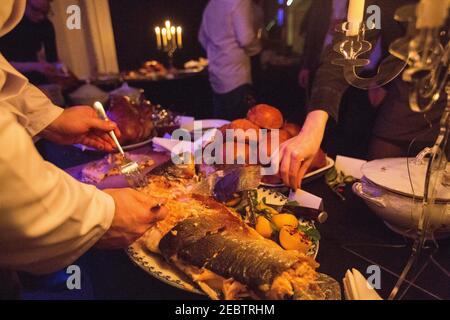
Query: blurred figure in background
[(318, 28), (258, 24), (228, 35), (31, 48)]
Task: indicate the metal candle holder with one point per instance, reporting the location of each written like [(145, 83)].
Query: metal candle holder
[(427, 62), (354, 51), (427, 72), (169, 40), (170, 50)]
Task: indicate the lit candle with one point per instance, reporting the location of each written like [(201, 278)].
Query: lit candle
[(432, 13), (355, 16), (169, 35), (158, 37), (173, 36), (180, 37), (164, 37)]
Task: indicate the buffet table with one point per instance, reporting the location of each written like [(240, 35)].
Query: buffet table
[(351, 232)]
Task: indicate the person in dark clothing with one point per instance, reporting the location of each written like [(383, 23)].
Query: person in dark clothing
[(350, 136), (395, 126), (31, 46), (315, 35)]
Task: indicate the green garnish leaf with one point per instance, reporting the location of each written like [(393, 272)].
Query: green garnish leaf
[(293, 204), (312, 233)]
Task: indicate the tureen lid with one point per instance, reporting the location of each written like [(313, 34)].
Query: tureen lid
[(392, 174)]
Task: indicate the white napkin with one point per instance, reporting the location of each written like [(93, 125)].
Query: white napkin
[(356, 287), (167, 144), (171, 145), (306, 199), (206, 138)]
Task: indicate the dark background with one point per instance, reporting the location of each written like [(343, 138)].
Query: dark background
[(134, 22), (134, 30), (111, 275)]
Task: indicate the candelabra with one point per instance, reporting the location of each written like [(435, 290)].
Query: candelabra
[(170, 50), (354, 50), (169, 39), (422, 61), (426, 56), (427, 73)]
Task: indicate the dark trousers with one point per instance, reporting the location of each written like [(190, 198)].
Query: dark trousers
[(234, 104)]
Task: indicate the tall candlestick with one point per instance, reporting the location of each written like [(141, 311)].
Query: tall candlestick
[(169, 34), (180, 37), (355, 16), (158, 37), (173, 35), (432, 13), (164, 37)]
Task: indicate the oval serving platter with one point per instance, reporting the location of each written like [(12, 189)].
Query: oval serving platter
[(158, 268)]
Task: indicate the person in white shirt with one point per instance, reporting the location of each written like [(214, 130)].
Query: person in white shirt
[(47, 218), (228, 35)]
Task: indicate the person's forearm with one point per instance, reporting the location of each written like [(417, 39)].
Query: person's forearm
[(315, 123)]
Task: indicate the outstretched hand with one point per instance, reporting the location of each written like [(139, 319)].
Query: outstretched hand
[(297, 154), (81, 125), (135, 213)]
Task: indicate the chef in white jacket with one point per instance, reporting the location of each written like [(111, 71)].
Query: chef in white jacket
[(47, 218)]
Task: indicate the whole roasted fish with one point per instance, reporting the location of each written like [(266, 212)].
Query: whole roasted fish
[(224, 256)]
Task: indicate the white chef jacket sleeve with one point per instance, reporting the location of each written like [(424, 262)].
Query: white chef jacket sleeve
[(47, 218), (35, 110)]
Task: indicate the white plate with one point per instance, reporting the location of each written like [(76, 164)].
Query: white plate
[(206, 124), (157, 267), (308, 177)]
